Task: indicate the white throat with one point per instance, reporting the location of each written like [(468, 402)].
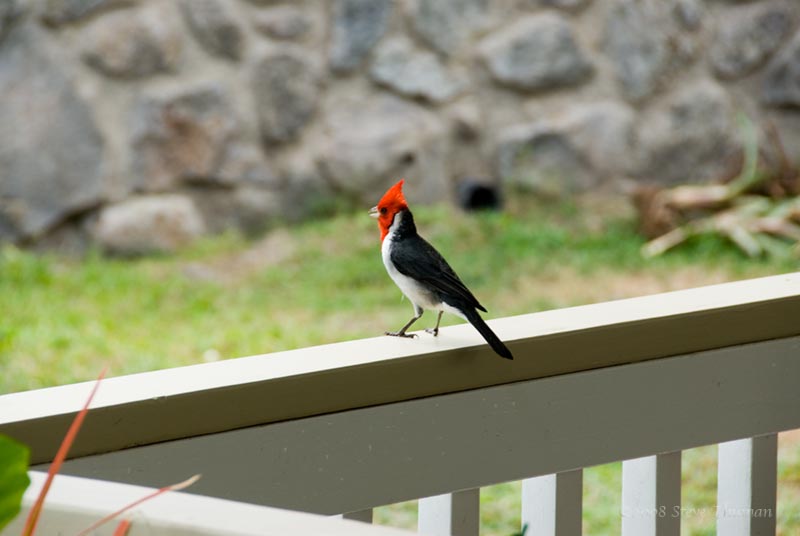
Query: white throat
[(419, 296)]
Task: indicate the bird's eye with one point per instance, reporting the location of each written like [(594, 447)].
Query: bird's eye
[(383, 210)]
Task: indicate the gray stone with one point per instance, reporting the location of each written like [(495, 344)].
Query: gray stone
[(8, 218), (781, 85), (466, 119), (286, 86), (567, 5), (642, 39), (180, 137), (356, 27), (536, 53), (246, 208), (569, 152), (51, 152), (282, 22), (214, 27), (447, 25), (58, 12), (470, 140), (748, 35), (148, 224), (244, 164), (690, 138), (257, 208), (71, 238), (539, 158), (9, 11), (133, 44), (604, 133), (306, 192), (689, 13), (373, 142), (414, 73)]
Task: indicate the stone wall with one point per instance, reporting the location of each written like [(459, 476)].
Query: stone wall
[(142, 123)]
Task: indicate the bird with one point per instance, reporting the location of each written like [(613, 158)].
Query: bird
[(422, 274)]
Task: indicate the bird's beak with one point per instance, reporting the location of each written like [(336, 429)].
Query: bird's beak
[(373, 212)]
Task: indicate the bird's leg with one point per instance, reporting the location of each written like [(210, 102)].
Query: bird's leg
[(435, 331), (402, 333)]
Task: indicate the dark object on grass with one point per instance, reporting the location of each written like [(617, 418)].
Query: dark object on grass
[(478, 194)]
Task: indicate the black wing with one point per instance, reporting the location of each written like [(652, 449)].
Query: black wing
[(414, 257)]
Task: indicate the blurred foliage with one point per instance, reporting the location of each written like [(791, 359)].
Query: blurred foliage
[(13, 478)]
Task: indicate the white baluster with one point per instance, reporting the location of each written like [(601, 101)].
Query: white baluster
[(456, 514), (747, 486), (552, 504), (651, 496)]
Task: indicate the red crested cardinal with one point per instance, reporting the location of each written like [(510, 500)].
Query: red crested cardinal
[(422, 273)]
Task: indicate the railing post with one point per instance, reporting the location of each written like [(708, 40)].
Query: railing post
[(552, 504), (365, 516), (456, 514), (747, 486), (651, 496)]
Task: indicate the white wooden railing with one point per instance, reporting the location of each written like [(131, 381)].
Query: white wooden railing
[(351, 426), (75, 503)]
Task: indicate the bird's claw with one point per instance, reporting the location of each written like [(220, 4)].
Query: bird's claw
[(399, 334), (433, 331)]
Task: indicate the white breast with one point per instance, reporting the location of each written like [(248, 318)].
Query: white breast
[(415, 292)]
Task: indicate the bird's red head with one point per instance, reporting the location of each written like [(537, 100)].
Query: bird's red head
[(390, 204)]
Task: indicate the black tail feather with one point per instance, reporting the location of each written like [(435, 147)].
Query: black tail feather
[(496, 344)]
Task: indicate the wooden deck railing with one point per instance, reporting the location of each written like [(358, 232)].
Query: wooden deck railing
[(350, 426), (74, 503)]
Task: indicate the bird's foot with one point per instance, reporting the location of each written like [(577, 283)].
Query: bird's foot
[(400, 334), (433, 331)]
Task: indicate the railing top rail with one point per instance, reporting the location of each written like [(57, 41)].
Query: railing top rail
[(207, 398)]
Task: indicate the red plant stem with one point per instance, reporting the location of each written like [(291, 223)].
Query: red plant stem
[(174, 487), (122, 528), (66, 443)]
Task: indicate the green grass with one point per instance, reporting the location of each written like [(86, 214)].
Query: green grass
[(61, 319), (323, 281)]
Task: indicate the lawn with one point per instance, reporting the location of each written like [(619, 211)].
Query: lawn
[(323, 281)]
